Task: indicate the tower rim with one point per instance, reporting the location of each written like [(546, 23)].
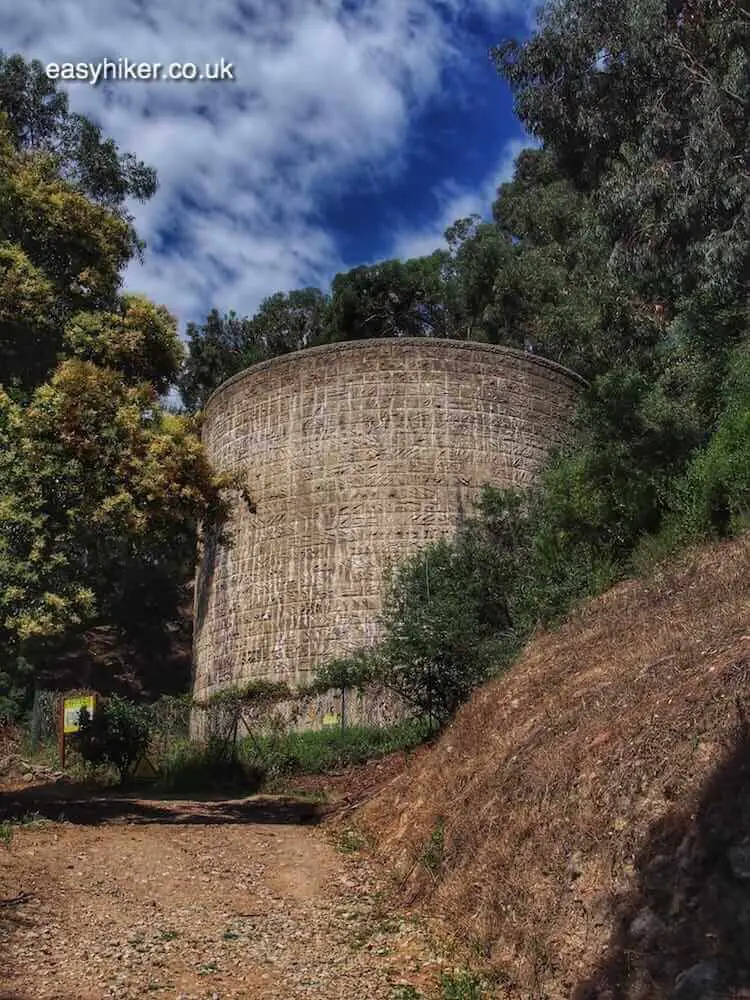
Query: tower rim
[(343, 346)]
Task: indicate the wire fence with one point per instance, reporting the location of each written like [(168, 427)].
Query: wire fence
[(234, 716)]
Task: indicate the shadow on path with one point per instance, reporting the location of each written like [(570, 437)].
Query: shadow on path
[(72, 805)]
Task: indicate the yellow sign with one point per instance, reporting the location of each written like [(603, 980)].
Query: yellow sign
[(72, 708), (331, 720)]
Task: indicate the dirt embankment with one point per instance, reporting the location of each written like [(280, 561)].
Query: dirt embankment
[(584, 825)]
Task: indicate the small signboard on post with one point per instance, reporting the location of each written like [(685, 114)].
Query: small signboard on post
[(70, 717), (72, 711)]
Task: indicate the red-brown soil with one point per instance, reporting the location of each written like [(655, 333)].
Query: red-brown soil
[(583, 827), (109, 897)]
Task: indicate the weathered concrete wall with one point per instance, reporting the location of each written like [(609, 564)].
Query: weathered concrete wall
[(356, 454), (374, 708)]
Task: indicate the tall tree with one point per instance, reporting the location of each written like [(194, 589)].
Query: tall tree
[(287, 322), (642, 106), (217, 349), (645, 104), (391, 299), (39, 120), (477, 252), (60, 253), (223, 346), (554, 290), (101, 490)]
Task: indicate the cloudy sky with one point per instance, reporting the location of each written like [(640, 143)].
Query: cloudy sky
[(354, 130)]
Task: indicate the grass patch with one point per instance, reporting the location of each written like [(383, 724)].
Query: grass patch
[(281, 786), (351, 841), (190, 767), (28, 820), (325, 750), (453, 986), (267, 762), (462, 986)]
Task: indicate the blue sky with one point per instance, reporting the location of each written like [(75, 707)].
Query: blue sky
[(355, 130)]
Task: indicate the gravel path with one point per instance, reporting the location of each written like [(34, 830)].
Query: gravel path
[(195, 902)]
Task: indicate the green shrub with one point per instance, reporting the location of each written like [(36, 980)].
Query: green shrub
[(117, 734), (16, 687), (353, 672), (446, 618), (711, 499), (715, 492), (462, 986)]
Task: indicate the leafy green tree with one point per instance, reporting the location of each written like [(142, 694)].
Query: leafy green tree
[(553, 292), (40, 120), (60, 254), (101, 494), (290, 322), (713, 498), (645, 106), (477, 252), (223, 346), (536, 277), (642, 110), (101, 489), (139, 340), (391, 299), (355, 671), (217, 349)]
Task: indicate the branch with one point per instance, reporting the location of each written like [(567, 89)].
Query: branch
[(700, 71)]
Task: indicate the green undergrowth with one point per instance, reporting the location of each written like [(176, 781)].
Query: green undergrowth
[(191, 767), (453, 986), (325, 750), (8, 827), (260, 762)]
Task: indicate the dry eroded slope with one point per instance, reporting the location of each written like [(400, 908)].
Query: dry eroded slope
[(596, 800)]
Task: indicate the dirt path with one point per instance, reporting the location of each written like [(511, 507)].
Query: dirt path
[(224, 901)]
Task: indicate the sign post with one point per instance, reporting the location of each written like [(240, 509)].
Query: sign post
[(70, 711), (61, 734)]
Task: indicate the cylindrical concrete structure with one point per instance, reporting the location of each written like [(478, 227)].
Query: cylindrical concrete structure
[(355, 454)]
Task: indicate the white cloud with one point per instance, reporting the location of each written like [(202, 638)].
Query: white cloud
[(455, 202), (323, 87)]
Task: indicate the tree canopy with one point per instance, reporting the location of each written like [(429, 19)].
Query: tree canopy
[(101, 489)]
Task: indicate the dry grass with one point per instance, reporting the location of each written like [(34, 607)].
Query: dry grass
[(602, 775)]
